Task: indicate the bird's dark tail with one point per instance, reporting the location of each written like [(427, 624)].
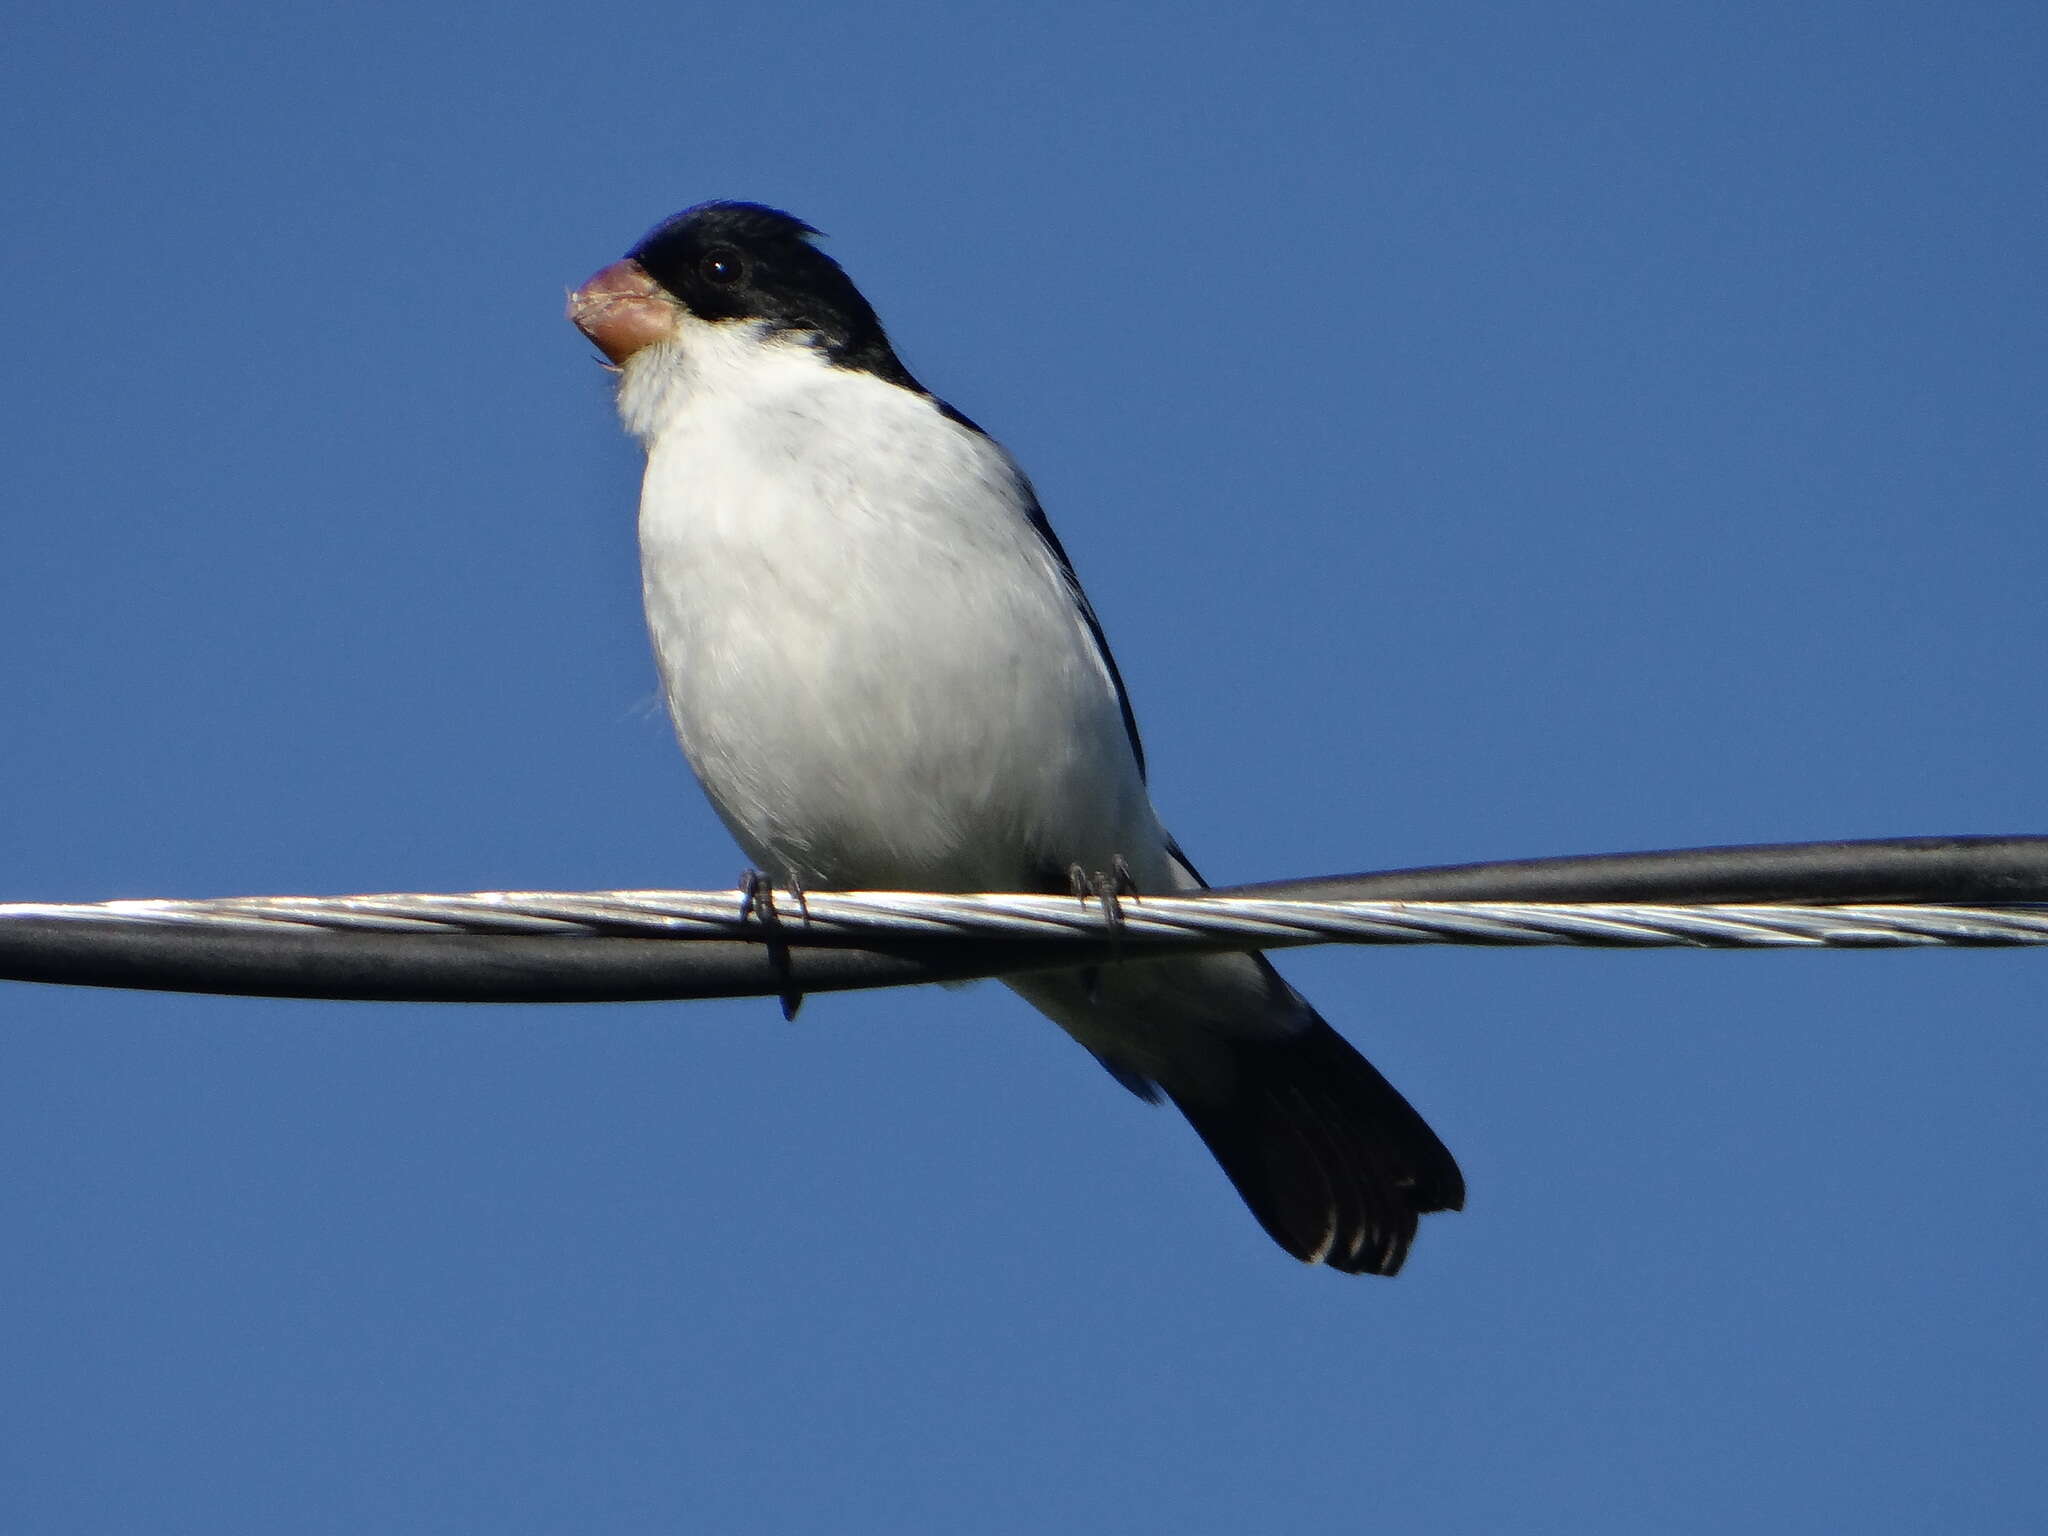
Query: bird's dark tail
[(1334, 1163)]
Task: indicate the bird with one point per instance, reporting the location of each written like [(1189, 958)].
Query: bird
[(886, 676)]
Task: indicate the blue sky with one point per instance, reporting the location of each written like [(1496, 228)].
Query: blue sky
[(1486, 431)]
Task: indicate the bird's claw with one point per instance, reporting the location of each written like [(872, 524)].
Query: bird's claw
[(1106, 886), (757, 899)]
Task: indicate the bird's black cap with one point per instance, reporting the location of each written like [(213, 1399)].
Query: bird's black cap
[(743, 261)]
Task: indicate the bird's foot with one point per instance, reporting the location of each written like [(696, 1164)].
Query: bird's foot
[(1108, 886), (757, 899)]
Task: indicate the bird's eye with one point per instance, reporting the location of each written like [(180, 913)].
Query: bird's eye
[(722, 265)]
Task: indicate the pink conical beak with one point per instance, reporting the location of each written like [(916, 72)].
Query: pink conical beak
[(622, 309)]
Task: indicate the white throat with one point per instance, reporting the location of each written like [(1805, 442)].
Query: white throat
[(727, 361)]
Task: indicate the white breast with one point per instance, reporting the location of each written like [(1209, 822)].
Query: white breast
[(874, 663)]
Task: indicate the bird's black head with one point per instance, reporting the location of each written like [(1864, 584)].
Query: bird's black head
[(741, 261)]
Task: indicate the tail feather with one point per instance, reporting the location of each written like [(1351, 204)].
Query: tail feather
[(1335, 1164)]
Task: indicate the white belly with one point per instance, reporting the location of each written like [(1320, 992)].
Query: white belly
[(875, 687)]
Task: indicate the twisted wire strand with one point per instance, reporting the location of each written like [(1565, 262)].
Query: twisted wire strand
[(1154, 923), (611, 946)]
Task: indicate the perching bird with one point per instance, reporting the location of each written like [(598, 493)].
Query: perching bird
[(887, 677)]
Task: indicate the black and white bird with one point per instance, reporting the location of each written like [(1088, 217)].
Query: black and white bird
[(887, 677)]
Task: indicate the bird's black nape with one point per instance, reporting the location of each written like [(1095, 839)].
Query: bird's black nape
[(744, 261)]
